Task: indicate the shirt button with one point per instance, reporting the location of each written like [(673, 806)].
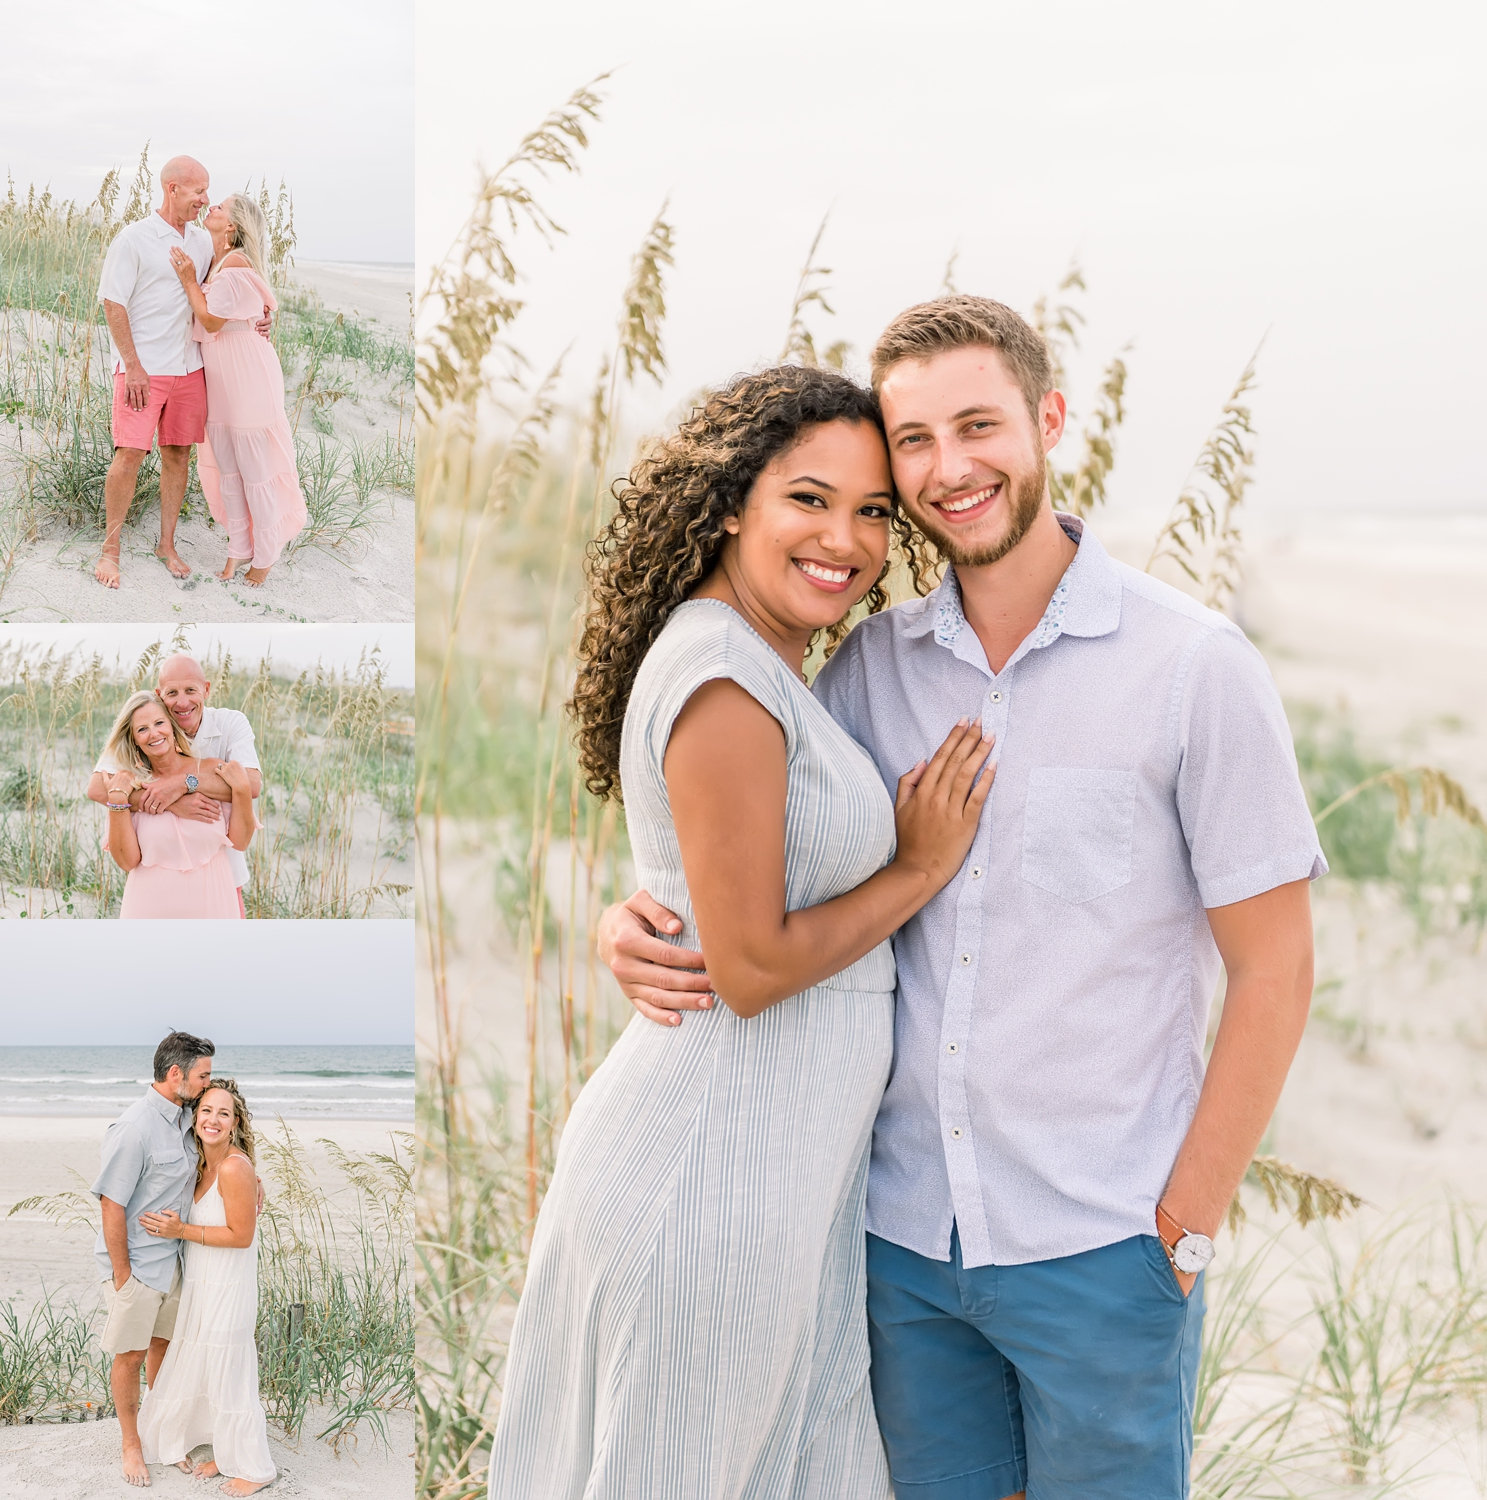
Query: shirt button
[(953, 1047), (995, 697), (975, 872), (965, 959), (955, 1132)]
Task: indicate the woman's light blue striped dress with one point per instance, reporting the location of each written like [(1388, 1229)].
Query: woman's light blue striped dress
[(693, 1323)]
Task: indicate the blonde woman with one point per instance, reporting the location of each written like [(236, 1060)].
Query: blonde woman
[(246, 462), (207, 1388), (174, 867)]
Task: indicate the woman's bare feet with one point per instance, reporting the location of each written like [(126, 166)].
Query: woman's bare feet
[(206, 1469), (135, 1472), (243, 1486), (185, 1466), (231, 566), (255, 576)]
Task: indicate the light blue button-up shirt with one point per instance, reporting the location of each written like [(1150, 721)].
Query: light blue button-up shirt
[(1053, 999), (149, 1164)]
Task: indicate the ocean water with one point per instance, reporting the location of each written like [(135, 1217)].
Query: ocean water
[(298, 1082)]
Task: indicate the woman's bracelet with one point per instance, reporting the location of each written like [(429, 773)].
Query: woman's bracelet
[(118, 806)]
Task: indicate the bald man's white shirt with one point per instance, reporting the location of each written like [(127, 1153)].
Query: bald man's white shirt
[(138, 275), (225, 734)]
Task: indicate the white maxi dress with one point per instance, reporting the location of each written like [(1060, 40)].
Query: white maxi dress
[(207, 1388)]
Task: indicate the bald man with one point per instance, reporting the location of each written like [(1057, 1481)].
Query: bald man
[(159, 389), (216, 735)]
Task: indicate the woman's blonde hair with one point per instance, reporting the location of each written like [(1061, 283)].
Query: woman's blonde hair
[(123, 749), (249, 230), (242, 1124)]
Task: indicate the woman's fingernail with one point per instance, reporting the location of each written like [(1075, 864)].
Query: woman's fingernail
[(706, 1002)]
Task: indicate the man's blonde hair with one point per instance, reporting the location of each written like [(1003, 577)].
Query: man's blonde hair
[(960, 321)]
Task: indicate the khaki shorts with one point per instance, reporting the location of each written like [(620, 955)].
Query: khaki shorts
[(138, 1313)]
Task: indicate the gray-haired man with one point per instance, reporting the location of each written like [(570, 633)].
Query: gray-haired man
[(149, 1164)]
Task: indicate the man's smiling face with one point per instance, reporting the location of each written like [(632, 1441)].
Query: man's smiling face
[(184, 691), (967, 454)]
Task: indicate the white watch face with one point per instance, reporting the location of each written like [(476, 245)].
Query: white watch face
[(1192, 1253)]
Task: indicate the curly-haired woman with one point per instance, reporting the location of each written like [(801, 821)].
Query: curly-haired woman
[(207, 1388), (693, 1319)]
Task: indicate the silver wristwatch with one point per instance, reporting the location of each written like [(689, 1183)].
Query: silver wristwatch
[(191, 782), (1192, 1252)]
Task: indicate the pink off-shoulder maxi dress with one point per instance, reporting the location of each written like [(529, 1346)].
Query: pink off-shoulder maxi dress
[(183, 870), (246, 462)]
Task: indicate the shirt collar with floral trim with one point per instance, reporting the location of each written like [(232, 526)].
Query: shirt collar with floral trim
[(1086, 601)]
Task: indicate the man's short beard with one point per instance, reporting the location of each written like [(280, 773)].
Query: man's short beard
[(1024, 500)]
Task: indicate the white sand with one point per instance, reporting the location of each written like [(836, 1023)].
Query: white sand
[(368, 577), (77, 1461), (377, 293)]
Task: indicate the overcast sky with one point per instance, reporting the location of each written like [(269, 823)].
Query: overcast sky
[(291, 647), (1311, 171), (318, 94), (120, 983)]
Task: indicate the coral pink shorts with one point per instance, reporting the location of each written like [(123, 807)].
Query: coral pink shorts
[(177, 406)]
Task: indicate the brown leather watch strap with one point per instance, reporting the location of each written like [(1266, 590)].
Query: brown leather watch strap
[(1177, 1230)]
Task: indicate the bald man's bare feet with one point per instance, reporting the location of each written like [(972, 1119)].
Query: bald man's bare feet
[(232, 566), (173, 560), (255, 576), (135, 1472), (243, 1487), (206, 1469), (107, 570)]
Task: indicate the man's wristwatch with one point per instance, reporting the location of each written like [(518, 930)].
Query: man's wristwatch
[(191, 782), (1188, 1252)]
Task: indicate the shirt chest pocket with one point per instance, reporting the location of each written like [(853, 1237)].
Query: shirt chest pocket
[(1076, 834), (169, 1168)]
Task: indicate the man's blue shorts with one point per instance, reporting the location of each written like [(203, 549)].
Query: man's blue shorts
[(1072, 1378)]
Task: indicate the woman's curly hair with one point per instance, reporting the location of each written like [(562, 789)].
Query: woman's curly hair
[(667, 532)]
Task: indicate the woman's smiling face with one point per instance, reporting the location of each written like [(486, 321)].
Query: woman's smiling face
[(153, 730), (216, 1111), (813, 535)]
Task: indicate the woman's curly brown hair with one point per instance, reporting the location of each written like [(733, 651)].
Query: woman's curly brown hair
[(667, 532)]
